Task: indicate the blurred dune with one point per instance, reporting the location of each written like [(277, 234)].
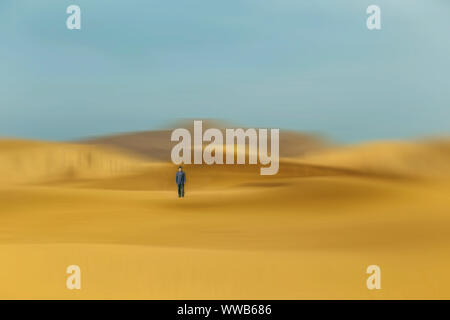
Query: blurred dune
[(156, 144), (23, 161), (110, 206), (426, 158)]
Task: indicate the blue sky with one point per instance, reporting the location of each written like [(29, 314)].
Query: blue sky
[(302, 65)]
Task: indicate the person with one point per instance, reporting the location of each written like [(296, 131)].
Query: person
[(180, 179)]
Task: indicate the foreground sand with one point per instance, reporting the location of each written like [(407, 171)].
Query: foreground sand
[(309, 232)]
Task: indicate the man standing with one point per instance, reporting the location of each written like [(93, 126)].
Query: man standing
[(180, 179)]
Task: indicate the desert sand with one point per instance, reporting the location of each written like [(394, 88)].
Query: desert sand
[(307, 233)]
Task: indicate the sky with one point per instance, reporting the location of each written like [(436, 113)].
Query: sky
[(303, 65)]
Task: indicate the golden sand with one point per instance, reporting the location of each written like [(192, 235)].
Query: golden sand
[(309, 232)]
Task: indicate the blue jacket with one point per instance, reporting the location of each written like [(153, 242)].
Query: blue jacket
[(180, 177)]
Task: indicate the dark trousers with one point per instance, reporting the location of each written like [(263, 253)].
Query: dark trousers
[(181, 190)]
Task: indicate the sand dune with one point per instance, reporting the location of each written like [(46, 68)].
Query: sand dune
[(427, 158), (24, 161), (124, 272), (156, 176), (156, 145), (308, 232)]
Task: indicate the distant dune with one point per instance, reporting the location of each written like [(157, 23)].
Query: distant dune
[(24, 161), (426, 158), (133, 162), (156, 145)]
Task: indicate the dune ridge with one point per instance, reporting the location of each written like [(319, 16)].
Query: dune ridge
[(156, 145), (23, 161), (423, 158)]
